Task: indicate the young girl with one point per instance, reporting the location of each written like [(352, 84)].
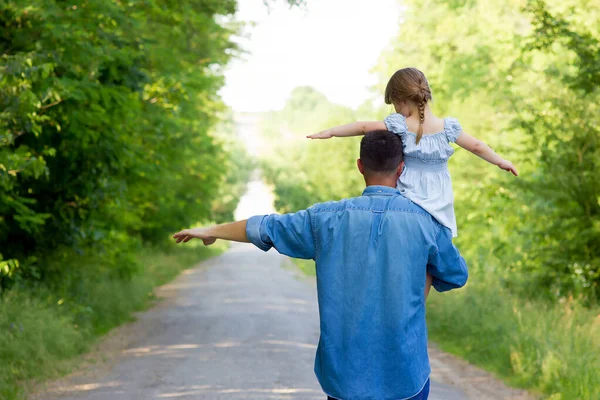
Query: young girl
[(426, 138)]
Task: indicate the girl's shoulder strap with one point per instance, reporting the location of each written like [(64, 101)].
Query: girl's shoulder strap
[(396, 123), (452, 129)]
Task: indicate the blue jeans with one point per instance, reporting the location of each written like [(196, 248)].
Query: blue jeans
[(423, 395)]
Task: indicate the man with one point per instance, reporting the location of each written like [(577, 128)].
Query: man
[(372, 255)]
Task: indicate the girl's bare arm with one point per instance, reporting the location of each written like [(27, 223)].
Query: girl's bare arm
[(484, 151), (353, 129)]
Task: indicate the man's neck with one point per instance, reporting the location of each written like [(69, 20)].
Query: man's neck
[(381, 181)]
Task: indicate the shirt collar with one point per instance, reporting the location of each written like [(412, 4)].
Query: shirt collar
[(376, 190)]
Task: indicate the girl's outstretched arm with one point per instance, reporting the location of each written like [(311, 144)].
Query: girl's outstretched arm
[(353, 129), (484, 151)]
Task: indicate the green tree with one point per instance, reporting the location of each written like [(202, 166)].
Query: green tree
[(305, 172), (106, 126)]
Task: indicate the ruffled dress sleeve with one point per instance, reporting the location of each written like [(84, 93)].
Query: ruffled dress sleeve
[(396, 123), (453, 129)]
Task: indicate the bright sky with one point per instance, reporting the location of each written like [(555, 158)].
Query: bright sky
[(328, 44)]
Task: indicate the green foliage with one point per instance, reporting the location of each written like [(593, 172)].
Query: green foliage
[(305, 172), (551, 348), (556, 32), (560, 123), (106, 133)]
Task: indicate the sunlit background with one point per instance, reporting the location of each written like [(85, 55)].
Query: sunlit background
[(331, 45)]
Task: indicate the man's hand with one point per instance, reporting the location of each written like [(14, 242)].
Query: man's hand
[(199, 233), (326, 134), (508, 166)]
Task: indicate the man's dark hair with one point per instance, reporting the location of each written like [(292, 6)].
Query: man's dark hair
[(381, 151)]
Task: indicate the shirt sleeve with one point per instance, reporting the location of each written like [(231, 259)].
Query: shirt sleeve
[(396, 123), (453, 129), (290, 234), (446, 265)]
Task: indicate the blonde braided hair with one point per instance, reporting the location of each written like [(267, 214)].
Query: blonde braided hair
[(409, 84)]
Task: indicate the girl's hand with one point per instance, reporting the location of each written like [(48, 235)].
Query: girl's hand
[(198, 233), (326, 134), (508, 166)]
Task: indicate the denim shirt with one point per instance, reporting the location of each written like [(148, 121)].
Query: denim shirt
[(372, 254)]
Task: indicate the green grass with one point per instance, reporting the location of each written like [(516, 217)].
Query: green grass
[(306, 266), (551, 349), (45, 329)]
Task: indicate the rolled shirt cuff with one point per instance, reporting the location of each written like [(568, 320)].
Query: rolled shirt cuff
[(253, 232)]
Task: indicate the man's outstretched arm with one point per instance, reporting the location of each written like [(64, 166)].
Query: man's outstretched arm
[(290, 234), (234, 231)]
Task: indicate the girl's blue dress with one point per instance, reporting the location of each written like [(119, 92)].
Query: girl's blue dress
[(426, 179)]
